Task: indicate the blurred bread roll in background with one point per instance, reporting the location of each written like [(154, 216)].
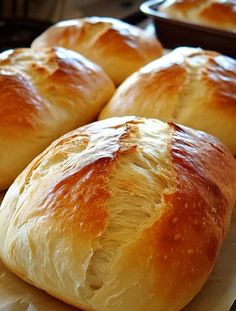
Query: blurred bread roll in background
[(120, 215), (189, 86), (119, 48), (43, 94), (219, 14)]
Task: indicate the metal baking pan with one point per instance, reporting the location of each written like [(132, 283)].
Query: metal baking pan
[(173, 33)]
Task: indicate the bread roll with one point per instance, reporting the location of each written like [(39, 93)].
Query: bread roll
[(189, 86), (123, 214), (119, 48), (212, 13), (43, 94)]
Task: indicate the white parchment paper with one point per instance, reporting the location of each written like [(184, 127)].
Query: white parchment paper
[(218, 294)]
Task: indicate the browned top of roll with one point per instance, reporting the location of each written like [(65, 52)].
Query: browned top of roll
[(20, 103), (124, 213), (220, 13), (119, 48), (43, 94), (183, 6), (189, 86), (213, 13)]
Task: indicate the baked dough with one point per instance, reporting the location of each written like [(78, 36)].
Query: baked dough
[(119, 48), (43, 94), (123, 214), (189, 86), (219, 14)]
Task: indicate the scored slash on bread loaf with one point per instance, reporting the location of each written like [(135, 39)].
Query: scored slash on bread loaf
[(189, 86), (119, 48), (121, 214), (43, 94), (219, 14)]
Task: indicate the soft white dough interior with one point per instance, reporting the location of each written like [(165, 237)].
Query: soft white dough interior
[(135, 208)]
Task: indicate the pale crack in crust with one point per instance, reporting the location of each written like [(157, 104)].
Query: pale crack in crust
[(134, 209)]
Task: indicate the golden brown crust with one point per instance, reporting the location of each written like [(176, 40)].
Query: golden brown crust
[(119, 48), (220, 14), (123, 213), (44, 94), (189, 86), (185, 6), (186, 240), (220, 76), (20, 103), (212, 13), (87, 186)]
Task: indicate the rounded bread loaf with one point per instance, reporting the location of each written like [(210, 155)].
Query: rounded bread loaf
[(43, 94), (122, 214), (212, 13), (119, 48), (189, 86)]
